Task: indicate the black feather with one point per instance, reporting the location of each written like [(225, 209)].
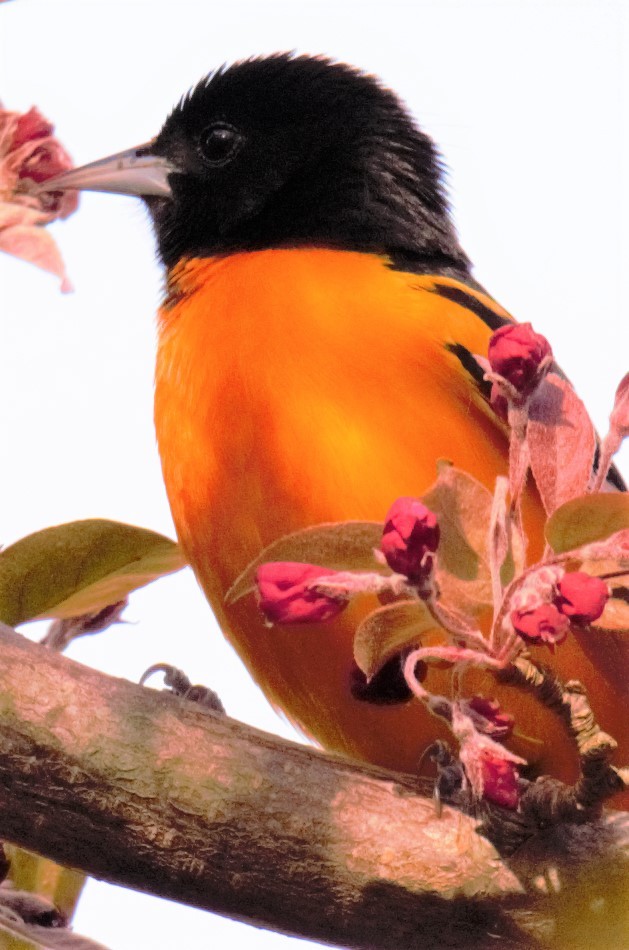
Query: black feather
[(330, 158)]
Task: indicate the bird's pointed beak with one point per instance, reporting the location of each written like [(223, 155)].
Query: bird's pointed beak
[(137, 171)]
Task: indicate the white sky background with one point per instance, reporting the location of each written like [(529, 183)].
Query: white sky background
[(529, 103)]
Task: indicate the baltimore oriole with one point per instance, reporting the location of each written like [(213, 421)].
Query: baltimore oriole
[(314, 361)]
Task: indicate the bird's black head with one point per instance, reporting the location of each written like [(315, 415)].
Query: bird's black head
[(293, 151)]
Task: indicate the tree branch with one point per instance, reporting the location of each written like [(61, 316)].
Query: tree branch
[(151, 792)]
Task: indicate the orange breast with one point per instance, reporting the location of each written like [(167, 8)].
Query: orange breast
[(300, 386)]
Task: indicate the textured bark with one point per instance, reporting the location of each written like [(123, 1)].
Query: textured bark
[(153, 793)]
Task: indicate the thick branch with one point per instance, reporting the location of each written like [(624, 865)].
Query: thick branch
[(153, 793)]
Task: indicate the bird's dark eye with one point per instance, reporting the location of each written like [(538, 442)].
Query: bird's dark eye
[(219, 143)]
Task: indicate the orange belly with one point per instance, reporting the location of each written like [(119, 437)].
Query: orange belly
[(295, 387)]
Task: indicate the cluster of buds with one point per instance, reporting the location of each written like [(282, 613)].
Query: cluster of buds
[(294, 592), (574, 598), (539, 607), (290, 592)]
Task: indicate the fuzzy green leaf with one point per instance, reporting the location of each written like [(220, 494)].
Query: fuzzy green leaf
[(587, 519), (388, 631), (79, 568), (463, 507)]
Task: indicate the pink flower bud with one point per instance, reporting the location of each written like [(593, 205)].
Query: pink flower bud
[(287, 594), (31, 125), (410, 537), (488, 718), (582, 597), (500, 779), (520, 356), (543, 624)]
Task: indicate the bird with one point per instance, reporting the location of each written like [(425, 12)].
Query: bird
[(315, 359)]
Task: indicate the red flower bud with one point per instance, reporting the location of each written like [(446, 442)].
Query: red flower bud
[(543, 624), (286, 593), (582, 597), (519, 355), (488, 718), (410, 536), (500, 780)]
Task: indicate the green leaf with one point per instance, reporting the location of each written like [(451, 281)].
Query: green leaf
[(615, 618), (463, 507), (587, 519), (341, 546), (80, 567), (389, 630)]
